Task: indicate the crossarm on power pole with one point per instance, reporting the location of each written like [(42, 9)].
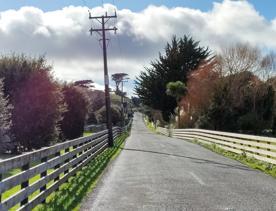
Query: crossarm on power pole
[(100, 30)]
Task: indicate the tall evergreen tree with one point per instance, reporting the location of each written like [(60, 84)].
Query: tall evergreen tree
[(180, 58)]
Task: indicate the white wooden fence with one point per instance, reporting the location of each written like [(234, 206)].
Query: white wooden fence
[(53, 164), (259, 147), (163, 131)]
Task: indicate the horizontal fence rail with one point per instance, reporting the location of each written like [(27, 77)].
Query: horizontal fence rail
[(52, 166), (258, 147), (163, 131)]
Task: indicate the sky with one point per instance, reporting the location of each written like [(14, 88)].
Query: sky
[(58, 29)]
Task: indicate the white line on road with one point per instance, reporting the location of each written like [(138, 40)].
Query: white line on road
[(197, 178)]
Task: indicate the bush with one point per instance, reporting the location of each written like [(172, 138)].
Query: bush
[(5, 115), (72, 125), (37, 111), (115, 114), (91, 120), (36, 99), (5, 123), (250, 123)]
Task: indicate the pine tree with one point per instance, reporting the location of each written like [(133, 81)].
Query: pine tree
[(181, 57)]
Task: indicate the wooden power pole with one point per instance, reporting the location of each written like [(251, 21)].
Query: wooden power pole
[(102, 32)]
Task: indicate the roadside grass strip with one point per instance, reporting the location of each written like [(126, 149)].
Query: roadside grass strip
[(70, 195), (149, 125), (87, 133), (253, 163)]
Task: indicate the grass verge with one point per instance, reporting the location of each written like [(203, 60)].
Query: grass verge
[(17, 188), (149, 125), (87, 133), (265, 167), (70, 194)]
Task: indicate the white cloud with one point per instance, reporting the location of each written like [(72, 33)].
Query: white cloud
[(63, 35)]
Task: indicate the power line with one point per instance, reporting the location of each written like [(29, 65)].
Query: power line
[(85, 3)]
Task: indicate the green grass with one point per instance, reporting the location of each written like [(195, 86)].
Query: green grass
[(17, 188), (149, 125), (265, 167), (87, 133), (70, 194)]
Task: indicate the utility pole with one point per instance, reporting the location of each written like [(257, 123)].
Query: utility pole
[(122, 99), (122, 103), (102, 32)]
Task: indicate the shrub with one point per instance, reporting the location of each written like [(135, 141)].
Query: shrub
[(37, 111), (5, 115), (115, 114), (36, 99), (72, 125)]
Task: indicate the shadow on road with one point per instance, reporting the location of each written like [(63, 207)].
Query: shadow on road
[(196, 160)]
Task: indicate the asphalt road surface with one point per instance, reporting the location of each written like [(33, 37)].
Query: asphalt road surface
[(156, 173)]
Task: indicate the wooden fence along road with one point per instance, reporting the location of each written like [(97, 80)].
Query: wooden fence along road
[(55, 164), (258, 147)]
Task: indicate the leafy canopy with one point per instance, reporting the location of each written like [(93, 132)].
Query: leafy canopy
[(181, 56), (176, 89)]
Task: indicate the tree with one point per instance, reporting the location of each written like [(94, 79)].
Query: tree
[(220, 114), (115, 113), (181, 57), (136, 101), (37, 111), (5, 113), (118, 78), (240, 58), (177, 90), (96, 100), (200, 87), (241, 102), (84, 83), (36, 99), (16, 69), (72, 125), (243, 57)]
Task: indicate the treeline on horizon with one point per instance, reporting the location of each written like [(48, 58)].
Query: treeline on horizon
[(233, 90), (36, 110)]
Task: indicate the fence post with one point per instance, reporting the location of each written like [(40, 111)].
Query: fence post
[(74, 157), (43, 174), (57, 166), (25, 184), (67, 161), (170, 130), (268, 150), (1, 193)]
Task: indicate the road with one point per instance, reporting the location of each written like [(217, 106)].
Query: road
[(154, 173)]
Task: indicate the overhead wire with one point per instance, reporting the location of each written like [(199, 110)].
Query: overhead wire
[(118, 36), (92, 22), (84, 2), (115, 22)]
